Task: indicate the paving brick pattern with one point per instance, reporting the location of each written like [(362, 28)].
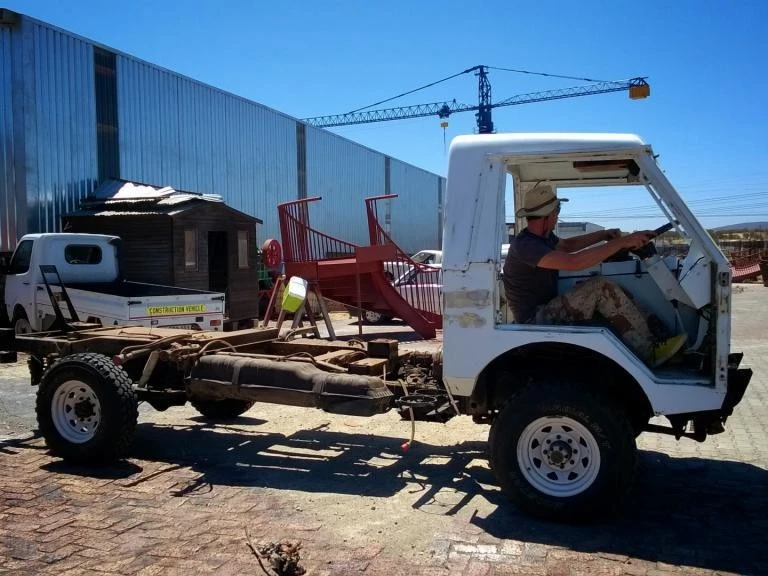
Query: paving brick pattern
[(181, 508)]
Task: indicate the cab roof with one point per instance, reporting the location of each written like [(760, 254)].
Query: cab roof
[(535, 143)]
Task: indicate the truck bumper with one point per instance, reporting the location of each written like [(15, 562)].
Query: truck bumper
[(713, 421)]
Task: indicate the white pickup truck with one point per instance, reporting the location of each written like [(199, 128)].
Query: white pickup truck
[(89, 268)]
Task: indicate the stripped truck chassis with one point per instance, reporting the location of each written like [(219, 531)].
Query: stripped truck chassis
[(90, 381), (170, 367)]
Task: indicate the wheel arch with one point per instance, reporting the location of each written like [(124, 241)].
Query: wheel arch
[(541, 361), (77, 360), (19, 312)]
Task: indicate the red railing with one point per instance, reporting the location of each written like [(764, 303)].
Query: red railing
[(745, 264), (301, 242), (421, 285), (742, 258)]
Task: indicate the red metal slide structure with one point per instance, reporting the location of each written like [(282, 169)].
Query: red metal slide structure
[(354, 275), (420, 284)]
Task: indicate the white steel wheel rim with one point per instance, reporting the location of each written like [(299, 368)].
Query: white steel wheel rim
[(372, 317), (558, 456), (76, 411), (22, 326)]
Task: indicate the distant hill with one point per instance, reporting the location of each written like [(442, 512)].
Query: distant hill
[(742, 226)]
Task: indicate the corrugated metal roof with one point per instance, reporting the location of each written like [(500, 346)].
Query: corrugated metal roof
[(124, 198), (124, 189)]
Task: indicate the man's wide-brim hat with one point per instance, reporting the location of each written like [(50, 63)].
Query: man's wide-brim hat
[(540, 200)]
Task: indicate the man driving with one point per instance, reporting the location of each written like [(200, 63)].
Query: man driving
[(535, 257)]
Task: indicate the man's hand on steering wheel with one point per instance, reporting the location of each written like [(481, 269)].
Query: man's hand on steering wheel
[(611, 234), (637, 239)]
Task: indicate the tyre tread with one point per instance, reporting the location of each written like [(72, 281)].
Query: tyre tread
[(116, 437), (581, 508)]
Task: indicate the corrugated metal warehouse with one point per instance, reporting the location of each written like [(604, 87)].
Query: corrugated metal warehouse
[(74, 113)]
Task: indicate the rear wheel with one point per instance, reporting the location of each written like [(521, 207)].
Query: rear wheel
[(563, 453), (227, 409), (87, 409)]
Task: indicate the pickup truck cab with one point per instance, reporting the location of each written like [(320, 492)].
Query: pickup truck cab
[(394, 270), (89, 268)]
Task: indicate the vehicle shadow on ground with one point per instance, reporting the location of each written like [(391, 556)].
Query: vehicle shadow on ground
[(394, 329), (683, 511), (316, 460), (404, 336), (118, 471)]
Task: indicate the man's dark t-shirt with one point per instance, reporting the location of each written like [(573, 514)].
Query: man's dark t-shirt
[(525, 285)]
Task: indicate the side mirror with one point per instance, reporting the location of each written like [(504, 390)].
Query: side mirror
[(4, 262)]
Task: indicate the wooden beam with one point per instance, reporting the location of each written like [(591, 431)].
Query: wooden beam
[(370, 366)]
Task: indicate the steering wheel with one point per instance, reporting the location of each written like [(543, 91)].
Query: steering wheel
[(646, 250)]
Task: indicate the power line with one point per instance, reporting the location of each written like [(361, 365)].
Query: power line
[(657, 215), (735, 212), (412, 91), (544, 74), (759, 201)]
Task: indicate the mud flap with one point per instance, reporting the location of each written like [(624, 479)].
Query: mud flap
[(738, 380)]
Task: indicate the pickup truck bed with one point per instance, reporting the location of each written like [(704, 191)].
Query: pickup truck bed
[(127, 288)]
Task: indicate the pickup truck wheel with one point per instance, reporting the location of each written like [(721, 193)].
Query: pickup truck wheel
[(227, 409), (563, 453), (87, 409), (21, 323), (372, 317)]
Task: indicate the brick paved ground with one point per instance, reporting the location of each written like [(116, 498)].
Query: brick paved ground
[(183, 503)]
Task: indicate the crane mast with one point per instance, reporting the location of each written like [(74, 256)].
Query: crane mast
[(484, 106)]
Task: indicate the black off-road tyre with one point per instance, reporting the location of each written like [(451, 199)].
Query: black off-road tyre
[(572, 406), (103, 395), (227, 409)]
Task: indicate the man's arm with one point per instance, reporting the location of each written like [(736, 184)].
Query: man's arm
[(585, 240), (559, 260)]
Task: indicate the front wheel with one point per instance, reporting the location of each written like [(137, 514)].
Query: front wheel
[(21, 324), (87, 409), (563, 453)]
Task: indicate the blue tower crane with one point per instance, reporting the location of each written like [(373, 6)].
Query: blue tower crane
[(638, 88)]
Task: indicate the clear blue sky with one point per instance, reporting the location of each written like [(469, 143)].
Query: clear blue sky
[(705, 60)]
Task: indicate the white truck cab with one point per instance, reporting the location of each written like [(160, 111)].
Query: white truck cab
[(89, 268), (540, 384)]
